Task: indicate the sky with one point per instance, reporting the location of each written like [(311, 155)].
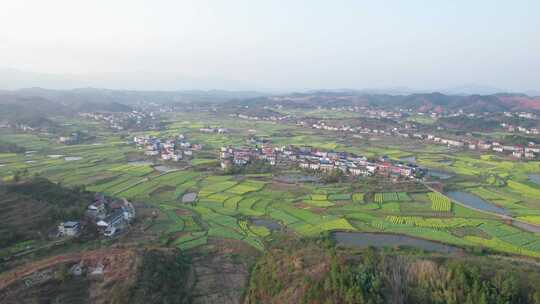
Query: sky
[(269, 44)]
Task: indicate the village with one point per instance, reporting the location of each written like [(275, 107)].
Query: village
[(175, 149), (109, 216), (529, 152), (312, 159), (119, 121)]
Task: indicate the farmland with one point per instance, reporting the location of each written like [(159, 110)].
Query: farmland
[(225, 205), (440, 202)]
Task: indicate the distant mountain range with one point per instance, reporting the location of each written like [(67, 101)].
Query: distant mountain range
[(422, 102), (36, 104), (13, 79), (33, 105), (130, 97), (458, 90)]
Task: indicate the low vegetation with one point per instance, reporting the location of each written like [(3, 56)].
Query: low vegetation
[(164, 277), (309, 272), (33, 207)]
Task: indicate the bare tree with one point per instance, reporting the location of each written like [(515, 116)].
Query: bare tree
[(396, 270)]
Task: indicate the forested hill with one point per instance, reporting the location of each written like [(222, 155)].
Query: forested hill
[(425, 102), (30, 208), (80, 100), (131, 97), (307, 272), (36, 111), (18, 103)]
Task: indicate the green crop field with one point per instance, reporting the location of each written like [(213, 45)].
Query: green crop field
[(247, 186), (524, 189), (435, 223), (227, 204), (440, 202), (533, 219), (358, 197), (340, 197), (391, 197), (497, 197)]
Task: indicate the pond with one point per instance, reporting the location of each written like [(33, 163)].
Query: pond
[(296, 178), (408, 159), (72, 158), (163, 168), (439, 174), (189, 197), (270, 224), (446, 161), (535, 178), (381, 240), (475, 202)]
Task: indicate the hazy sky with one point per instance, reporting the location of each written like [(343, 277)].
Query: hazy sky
[(263, 44)]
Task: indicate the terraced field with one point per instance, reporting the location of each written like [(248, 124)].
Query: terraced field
[(440, 202), (225, 205), (391, 197)]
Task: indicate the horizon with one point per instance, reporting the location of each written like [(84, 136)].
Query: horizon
[(270, 46), (468, 91)]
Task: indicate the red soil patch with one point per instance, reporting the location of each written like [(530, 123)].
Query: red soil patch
[(522, 102), (181, 212), (117, 264), (317, 210)]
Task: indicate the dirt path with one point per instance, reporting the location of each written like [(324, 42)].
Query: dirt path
[(16, 274)]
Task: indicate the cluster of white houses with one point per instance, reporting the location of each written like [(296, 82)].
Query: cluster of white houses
[(513, 128), (321, 125), (114, 121), (17, 126), (279, 117), (531, 151), (261, 117), (313, 159), (69, 139), (110, 217), (167, 149), (116, 217), (209, 129), (120, 121), (371, 113)]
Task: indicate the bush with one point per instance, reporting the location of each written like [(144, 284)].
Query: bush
[(163, 278)]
